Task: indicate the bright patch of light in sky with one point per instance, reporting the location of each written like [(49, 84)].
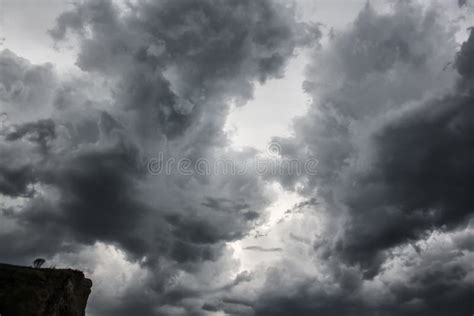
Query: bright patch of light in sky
[(108, 266), (260, 237), (269, 113), (28, 37)]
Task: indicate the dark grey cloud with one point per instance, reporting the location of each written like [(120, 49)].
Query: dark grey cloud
[(386, 223), (95, 193), (15, 181), (307, 303), (168, 72), (433, 280), (415, 186), (392, 133), (262, 249), (41, 132), (387, 177), (173, 58), (18, 176), (421, 175)]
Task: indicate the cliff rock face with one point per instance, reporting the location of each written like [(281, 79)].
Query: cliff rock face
[(28, 291)]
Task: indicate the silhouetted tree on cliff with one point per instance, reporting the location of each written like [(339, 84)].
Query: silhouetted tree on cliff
[(38, 262)]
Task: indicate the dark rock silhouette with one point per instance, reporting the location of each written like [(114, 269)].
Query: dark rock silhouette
[(26, 291)]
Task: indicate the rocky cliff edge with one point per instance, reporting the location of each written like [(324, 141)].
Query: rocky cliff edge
[(26, 291)]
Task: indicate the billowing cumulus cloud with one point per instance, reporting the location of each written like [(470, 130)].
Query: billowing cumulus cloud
[(110, 169), (379, 75), (174, 60), (25, 89), (158, 78), (391, 126)]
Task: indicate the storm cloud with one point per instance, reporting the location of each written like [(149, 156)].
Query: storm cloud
[(170, 71), (385, 225), (392, 131)]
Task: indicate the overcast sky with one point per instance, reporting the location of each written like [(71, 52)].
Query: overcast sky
[(198, 157)]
